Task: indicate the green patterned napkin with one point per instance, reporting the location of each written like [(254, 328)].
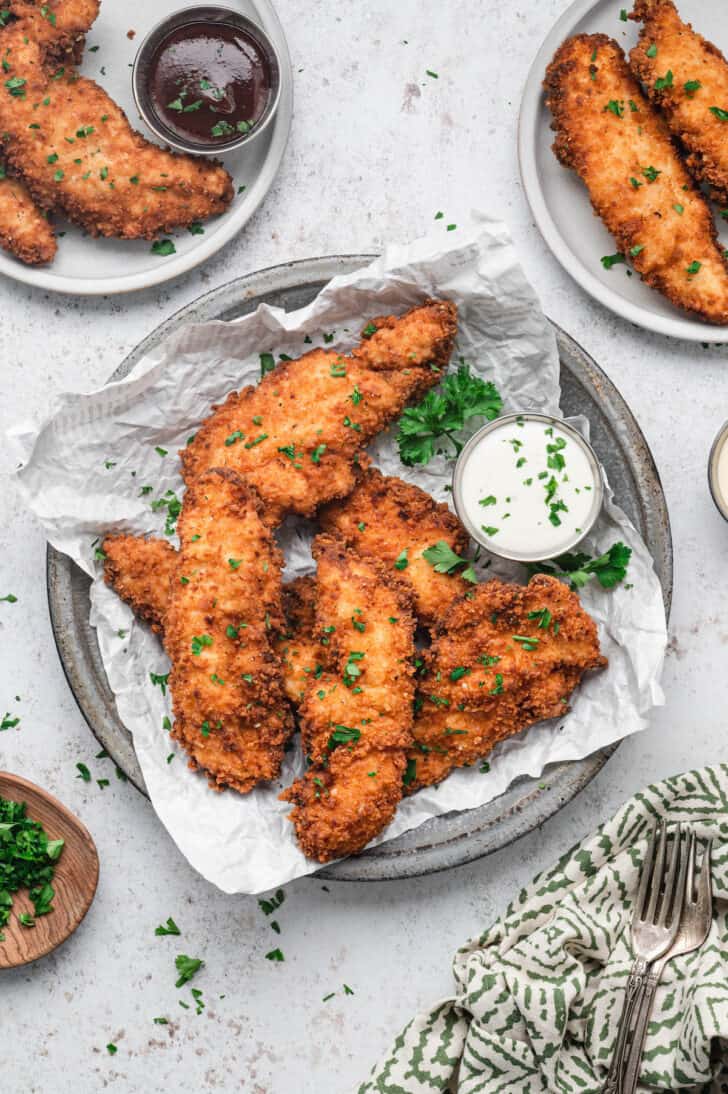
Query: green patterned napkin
[(539, 994)]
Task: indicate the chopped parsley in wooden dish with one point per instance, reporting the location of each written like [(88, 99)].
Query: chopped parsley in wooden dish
[(28, 860)]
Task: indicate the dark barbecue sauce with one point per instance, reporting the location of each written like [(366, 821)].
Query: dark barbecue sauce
[(209, 82)]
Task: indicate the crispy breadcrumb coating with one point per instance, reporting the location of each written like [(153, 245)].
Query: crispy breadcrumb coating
[(686, 77), (231, 716), (357, 718), (300, 433), (507, 656), (618, 144), (301, 653), (73, 146), (25, 231), (140, 571), (384, 517)]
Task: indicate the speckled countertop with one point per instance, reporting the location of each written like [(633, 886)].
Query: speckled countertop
[(377, 148)]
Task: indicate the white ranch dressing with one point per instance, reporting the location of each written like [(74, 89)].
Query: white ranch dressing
[(527, 487)]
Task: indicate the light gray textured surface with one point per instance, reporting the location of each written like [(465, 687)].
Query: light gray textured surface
[(377, 148)]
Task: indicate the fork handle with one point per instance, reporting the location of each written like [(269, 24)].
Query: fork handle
[(634, 1060), (632, 998)]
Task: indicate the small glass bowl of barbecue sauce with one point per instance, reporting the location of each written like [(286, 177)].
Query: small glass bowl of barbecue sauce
[(207, 80)]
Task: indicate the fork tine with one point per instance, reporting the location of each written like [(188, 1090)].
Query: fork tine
[(669, 891), (657, 875), (690, 883), (645, 874), (705, 889), (678, 899)]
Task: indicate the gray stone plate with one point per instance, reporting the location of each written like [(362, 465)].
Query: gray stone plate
[(454, 838)]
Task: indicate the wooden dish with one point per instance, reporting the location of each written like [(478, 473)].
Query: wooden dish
[(75, 879)]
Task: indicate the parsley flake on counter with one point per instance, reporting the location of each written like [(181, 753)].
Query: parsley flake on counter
[(443, 412), (170, 927), (187, 967), (111, 1049), (83, 773), (9, 599), (275, 955), (8, 722)]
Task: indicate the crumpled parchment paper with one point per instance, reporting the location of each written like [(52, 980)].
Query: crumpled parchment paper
[(85, 466)]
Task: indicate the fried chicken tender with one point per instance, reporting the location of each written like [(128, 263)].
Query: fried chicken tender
[(299, 434), (231, 716), (300, 651), (357, 718), (24, 230), (385, 516), (610, 134), (687, 78), (73, 146), (140, 571), (507, 656)]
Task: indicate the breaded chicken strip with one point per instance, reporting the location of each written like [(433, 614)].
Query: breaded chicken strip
[(392, 520), (301, 653), (299, 434), (73, 146), (140, 571), (24, 229), (356, 720), (687, 78), (231, 716), (507, 656), (609, 133)]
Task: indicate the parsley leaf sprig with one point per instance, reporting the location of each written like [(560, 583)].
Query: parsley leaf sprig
[(442, 413), (610, 569), (444, 560)]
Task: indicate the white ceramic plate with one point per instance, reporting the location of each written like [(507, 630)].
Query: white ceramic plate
[(91, 267), (558, 199)]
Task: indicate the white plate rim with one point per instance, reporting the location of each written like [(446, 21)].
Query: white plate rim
[(528, 121), (207, 247)]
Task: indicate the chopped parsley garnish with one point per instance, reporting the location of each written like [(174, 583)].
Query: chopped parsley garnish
[(83, 773), (267, 363), (318, 453), (111, 1049), (275, 955), (721, 115), (612, 260), (679, 209), (271, 905), (160, 680), (199, 641), (27, 861), (490, 500), (443, 412), (652, 50), (615, 107), (187, 967), (170, 927), (694, 267), (444, 560), (343, 735), (691, 86), (410, 773), (369, 330), (637, 249), (650, 173), (236, 435), (163, 247), (9, 599), (402, 562), (664, 81)]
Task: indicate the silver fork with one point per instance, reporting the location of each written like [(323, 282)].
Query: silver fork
[(655, 922), (695, 923)]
